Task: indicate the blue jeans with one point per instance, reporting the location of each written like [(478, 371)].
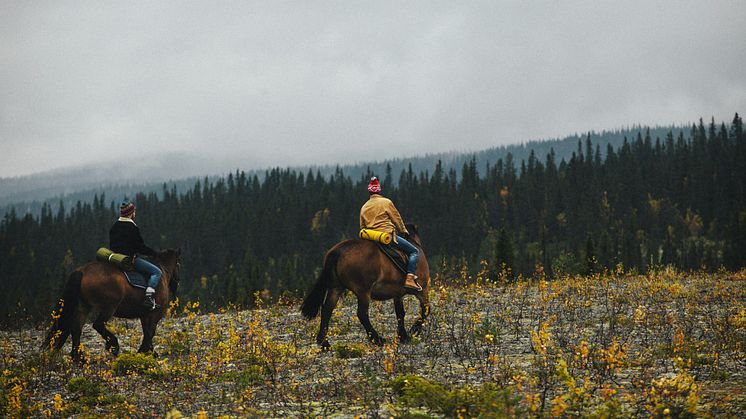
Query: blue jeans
[(411, 250), (147, 268)]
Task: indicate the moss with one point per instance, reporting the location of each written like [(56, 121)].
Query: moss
[(348, 350), (248, 376), (487, 400), (134, 364), (86, 393), (84, 387)]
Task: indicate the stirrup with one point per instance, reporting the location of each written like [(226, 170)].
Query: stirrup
[(149, 303), (415, 287)]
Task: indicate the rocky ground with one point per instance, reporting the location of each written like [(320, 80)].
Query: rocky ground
[(663, 344)]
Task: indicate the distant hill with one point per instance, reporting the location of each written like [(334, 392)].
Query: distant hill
[(115, 180)]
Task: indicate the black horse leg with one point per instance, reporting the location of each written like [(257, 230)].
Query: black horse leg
[(148, 331), (75, 331), (401, 330), (112, 343), (363, 303), (332, 296), (424, 312)]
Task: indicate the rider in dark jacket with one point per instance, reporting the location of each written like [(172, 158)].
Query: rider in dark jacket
[(125, 238)]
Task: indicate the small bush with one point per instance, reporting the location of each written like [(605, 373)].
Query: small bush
[(249, 376), (486, 331), (348, 350), (674, 396), (134, 364), (487, 400), (87, 393), (84, 387), (179, 343)]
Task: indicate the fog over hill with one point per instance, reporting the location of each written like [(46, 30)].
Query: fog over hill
[(119, 179)]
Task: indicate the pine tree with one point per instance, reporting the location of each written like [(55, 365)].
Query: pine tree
[(504, 254)]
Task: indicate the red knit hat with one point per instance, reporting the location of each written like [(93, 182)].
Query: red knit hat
[(374, 186), (126, 209)]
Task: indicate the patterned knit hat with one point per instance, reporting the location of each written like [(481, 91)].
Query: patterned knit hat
[(126, 209), (374, 186)]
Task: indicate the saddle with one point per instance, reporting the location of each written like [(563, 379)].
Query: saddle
[(136, 279), (396, 256)]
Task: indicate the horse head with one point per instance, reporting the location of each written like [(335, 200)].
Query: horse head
[(170, 259), (414, 235)]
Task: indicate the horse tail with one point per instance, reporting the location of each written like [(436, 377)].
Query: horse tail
[(315, 299), (64, 313)]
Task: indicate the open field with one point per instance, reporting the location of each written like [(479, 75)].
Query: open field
[(662, 344)]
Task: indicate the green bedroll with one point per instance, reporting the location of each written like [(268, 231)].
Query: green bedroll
[(117, 259)]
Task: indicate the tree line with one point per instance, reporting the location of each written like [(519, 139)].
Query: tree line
[(677, 200)]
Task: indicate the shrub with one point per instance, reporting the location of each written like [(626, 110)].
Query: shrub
[(674, 396), (134, 364), (246, 377), (179, 343), (487, 400), (86, 393), (348, 350), (84, 387)]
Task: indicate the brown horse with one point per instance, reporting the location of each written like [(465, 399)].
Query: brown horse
[(361, 267), (101, 289)]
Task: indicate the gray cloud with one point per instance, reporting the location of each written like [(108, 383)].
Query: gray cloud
[(281, 83)]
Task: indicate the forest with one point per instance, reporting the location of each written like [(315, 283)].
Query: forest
[(675, 200)]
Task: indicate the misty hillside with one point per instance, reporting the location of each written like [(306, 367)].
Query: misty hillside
[(115, 180)]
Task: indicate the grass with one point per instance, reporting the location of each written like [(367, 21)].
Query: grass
[(609, 345)]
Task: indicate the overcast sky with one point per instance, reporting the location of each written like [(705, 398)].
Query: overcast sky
[(288, 83)]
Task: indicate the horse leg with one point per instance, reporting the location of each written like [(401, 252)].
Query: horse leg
[(401, 330), (148, 331), (424, 312), (76, 329), (363, 303), (332, 296), (112, 343)]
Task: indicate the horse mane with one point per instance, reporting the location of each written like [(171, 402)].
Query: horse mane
[(167, 256), (417, 240)]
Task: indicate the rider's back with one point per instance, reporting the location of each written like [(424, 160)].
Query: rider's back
[(380, 214), (125, 238)]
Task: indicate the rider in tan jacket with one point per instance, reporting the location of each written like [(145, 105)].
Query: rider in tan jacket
[(380, 214)]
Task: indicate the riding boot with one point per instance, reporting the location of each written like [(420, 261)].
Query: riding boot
[(149, 301), (410, 283)]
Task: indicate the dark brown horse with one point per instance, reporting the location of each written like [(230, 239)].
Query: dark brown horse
[(101, 290), (361, 267)]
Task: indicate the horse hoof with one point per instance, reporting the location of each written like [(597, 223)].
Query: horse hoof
[(325, 346), (150, 352), (114, 351), (377, 340), (415, 330), (404, 338), (78, 359)]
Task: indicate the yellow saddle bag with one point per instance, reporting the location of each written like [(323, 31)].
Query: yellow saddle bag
[(376, 236), (119, 260)]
